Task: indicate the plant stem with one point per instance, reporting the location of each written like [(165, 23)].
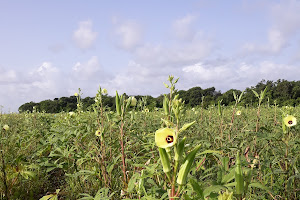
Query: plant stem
[(123, 152), (4, 175)]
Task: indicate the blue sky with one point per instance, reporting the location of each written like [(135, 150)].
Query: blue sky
[(49, 49)]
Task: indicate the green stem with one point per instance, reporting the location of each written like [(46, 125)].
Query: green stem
[(4, 175)]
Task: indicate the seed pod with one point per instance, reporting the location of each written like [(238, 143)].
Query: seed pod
[(186, 166), (166, 105), (219, 108), (118, 105), (179, 150), (239, 179), (164, 160)]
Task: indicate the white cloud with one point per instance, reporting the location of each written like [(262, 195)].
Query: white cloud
[(45, 69), (276, 42), (232, 74), (46, 81), (7, 76), (286, 16), (88, 76), (285, 24), (159, 56), (208, 74), (84, 36), (183, 29), (43, 82), (127, 35), (152, 63), (87, 70)]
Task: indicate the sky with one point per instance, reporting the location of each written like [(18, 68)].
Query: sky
[(50, 48)]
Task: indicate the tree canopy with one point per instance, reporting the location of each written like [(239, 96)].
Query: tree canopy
[(282, 91)]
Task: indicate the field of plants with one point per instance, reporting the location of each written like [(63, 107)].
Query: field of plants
[(174, 152)]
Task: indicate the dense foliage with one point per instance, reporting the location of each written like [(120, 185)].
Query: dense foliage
[(103, 154), (282, 91)]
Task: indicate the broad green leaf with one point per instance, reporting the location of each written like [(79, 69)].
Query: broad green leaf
[(213, 189), (228, 177), (197, 188), (260, 186)]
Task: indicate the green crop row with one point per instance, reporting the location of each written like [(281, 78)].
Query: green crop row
[(219, 152)]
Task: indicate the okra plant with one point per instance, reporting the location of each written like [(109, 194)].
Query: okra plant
[(168, 137)]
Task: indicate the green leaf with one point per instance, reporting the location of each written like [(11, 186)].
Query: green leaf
[(51, 196), (263, 93), (256, 94), (197, 188), (260, 186), (234, 95), (210, 151), (213, 189), (228, 177), (241, 96), (132, 182), (230, 184), (186, 197), (186, 126)]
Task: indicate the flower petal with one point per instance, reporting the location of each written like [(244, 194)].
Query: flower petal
[(165, 137), (290, 121)]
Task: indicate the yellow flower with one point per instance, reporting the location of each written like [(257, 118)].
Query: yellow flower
[(104, 91), (6, 127), (238, 112), (290, 121), (146, 110), (98, 133), (75, 94), (165, 137)]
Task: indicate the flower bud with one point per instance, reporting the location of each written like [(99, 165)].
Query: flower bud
[(133, 101)]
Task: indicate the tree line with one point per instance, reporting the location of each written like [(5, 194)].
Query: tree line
[(281, 92)]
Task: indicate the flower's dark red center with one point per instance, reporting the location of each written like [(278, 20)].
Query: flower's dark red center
[(169, 139), (290, 122)]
